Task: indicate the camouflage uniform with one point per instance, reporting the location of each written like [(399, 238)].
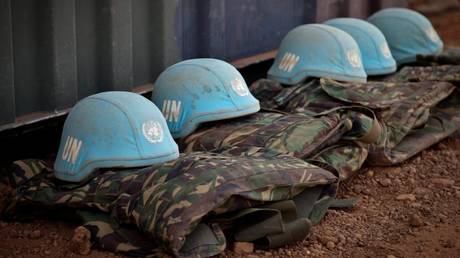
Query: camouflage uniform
[(314, 138), (443, 67), (183, 206), (399, 108), (442, 73), (449, 56)]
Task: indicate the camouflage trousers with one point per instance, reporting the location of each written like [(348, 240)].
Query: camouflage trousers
[(185, 207), (401, 108)]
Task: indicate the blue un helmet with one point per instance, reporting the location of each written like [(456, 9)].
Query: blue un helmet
[(112, 129), (201, 90), (377, 58), (408, 33), (317, 50)]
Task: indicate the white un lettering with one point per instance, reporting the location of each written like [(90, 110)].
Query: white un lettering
[(171, 110), (288, 62), (71, 149)]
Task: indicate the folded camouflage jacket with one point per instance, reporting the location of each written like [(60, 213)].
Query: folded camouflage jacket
[(399, 107), (184, 206), (267, 134)]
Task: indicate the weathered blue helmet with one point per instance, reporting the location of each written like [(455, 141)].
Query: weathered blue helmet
[(317, 50), (408, 33), (377, 58), (112, 129), (201, 90)]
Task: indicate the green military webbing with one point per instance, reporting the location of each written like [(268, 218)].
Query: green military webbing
[(276, 224), (174, 205), (203, 237)]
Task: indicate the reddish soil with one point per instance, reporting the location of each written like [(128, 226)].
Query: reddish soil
[(40, 239), (411, 210)]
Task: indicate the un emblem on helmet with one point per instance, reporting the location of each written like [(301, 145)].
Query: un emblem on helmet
[(239, 87), (385, 50), (152, 131), (354, 59), (431, 33)]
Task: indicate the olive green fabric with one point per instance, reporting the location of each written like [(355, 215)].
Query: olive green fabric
[(176, 207), (268, 134), (400, 108), (440, 73)]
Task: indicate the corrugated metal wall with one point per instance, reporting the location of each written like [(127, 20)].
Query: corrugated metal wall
[(55, 52)]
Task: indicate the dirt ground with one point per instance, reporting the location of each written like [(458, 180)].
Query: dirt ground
[(411, 210)]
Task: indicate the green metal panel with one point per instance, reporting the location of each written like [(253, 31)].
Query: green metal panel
[(7, 113)]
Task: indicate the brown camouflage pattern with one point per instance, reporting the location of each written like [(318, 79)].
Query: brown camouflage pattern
[(166, 202), (401, 115), (400, 107), (346, 157), (442, 73), (267, 134)]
